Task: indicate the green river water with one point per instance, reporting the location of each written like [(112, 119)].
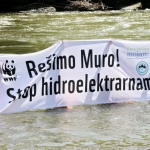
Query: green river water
[(123, 126)]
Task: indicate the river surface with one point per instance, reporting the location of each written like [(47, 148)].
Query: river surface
[(123, 126)]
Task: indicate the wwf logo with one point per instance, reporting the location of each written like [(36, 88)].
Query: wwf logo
[(8, 69)]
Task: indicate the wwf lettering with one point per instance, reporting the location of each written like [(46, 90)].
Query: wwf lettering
[(8, 70)]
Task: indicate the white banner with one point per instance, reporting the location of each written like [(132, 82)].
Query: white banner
[(75, 73)]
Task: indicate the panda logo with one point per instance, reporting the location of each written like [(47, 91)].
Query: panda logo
[(9, 68)]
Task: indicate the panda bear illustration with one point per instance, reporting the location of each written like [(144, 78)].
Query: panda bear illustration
[(9, 68)]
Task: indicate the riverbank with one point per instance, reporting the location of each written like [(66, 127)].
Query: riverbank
[(57, 6), (67, 5)]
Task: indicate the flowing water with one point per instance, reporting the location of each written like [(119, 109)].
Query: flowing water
[(123, 126)]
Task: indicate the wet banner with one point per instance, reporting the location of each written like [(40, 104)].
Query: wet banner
[(75, 73)]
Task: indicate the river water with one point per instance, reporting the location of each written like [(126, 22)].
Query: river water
[(123, 126)]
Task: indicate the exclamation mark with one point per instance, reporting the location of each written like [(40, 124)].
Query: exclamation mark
[(117, 56)]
